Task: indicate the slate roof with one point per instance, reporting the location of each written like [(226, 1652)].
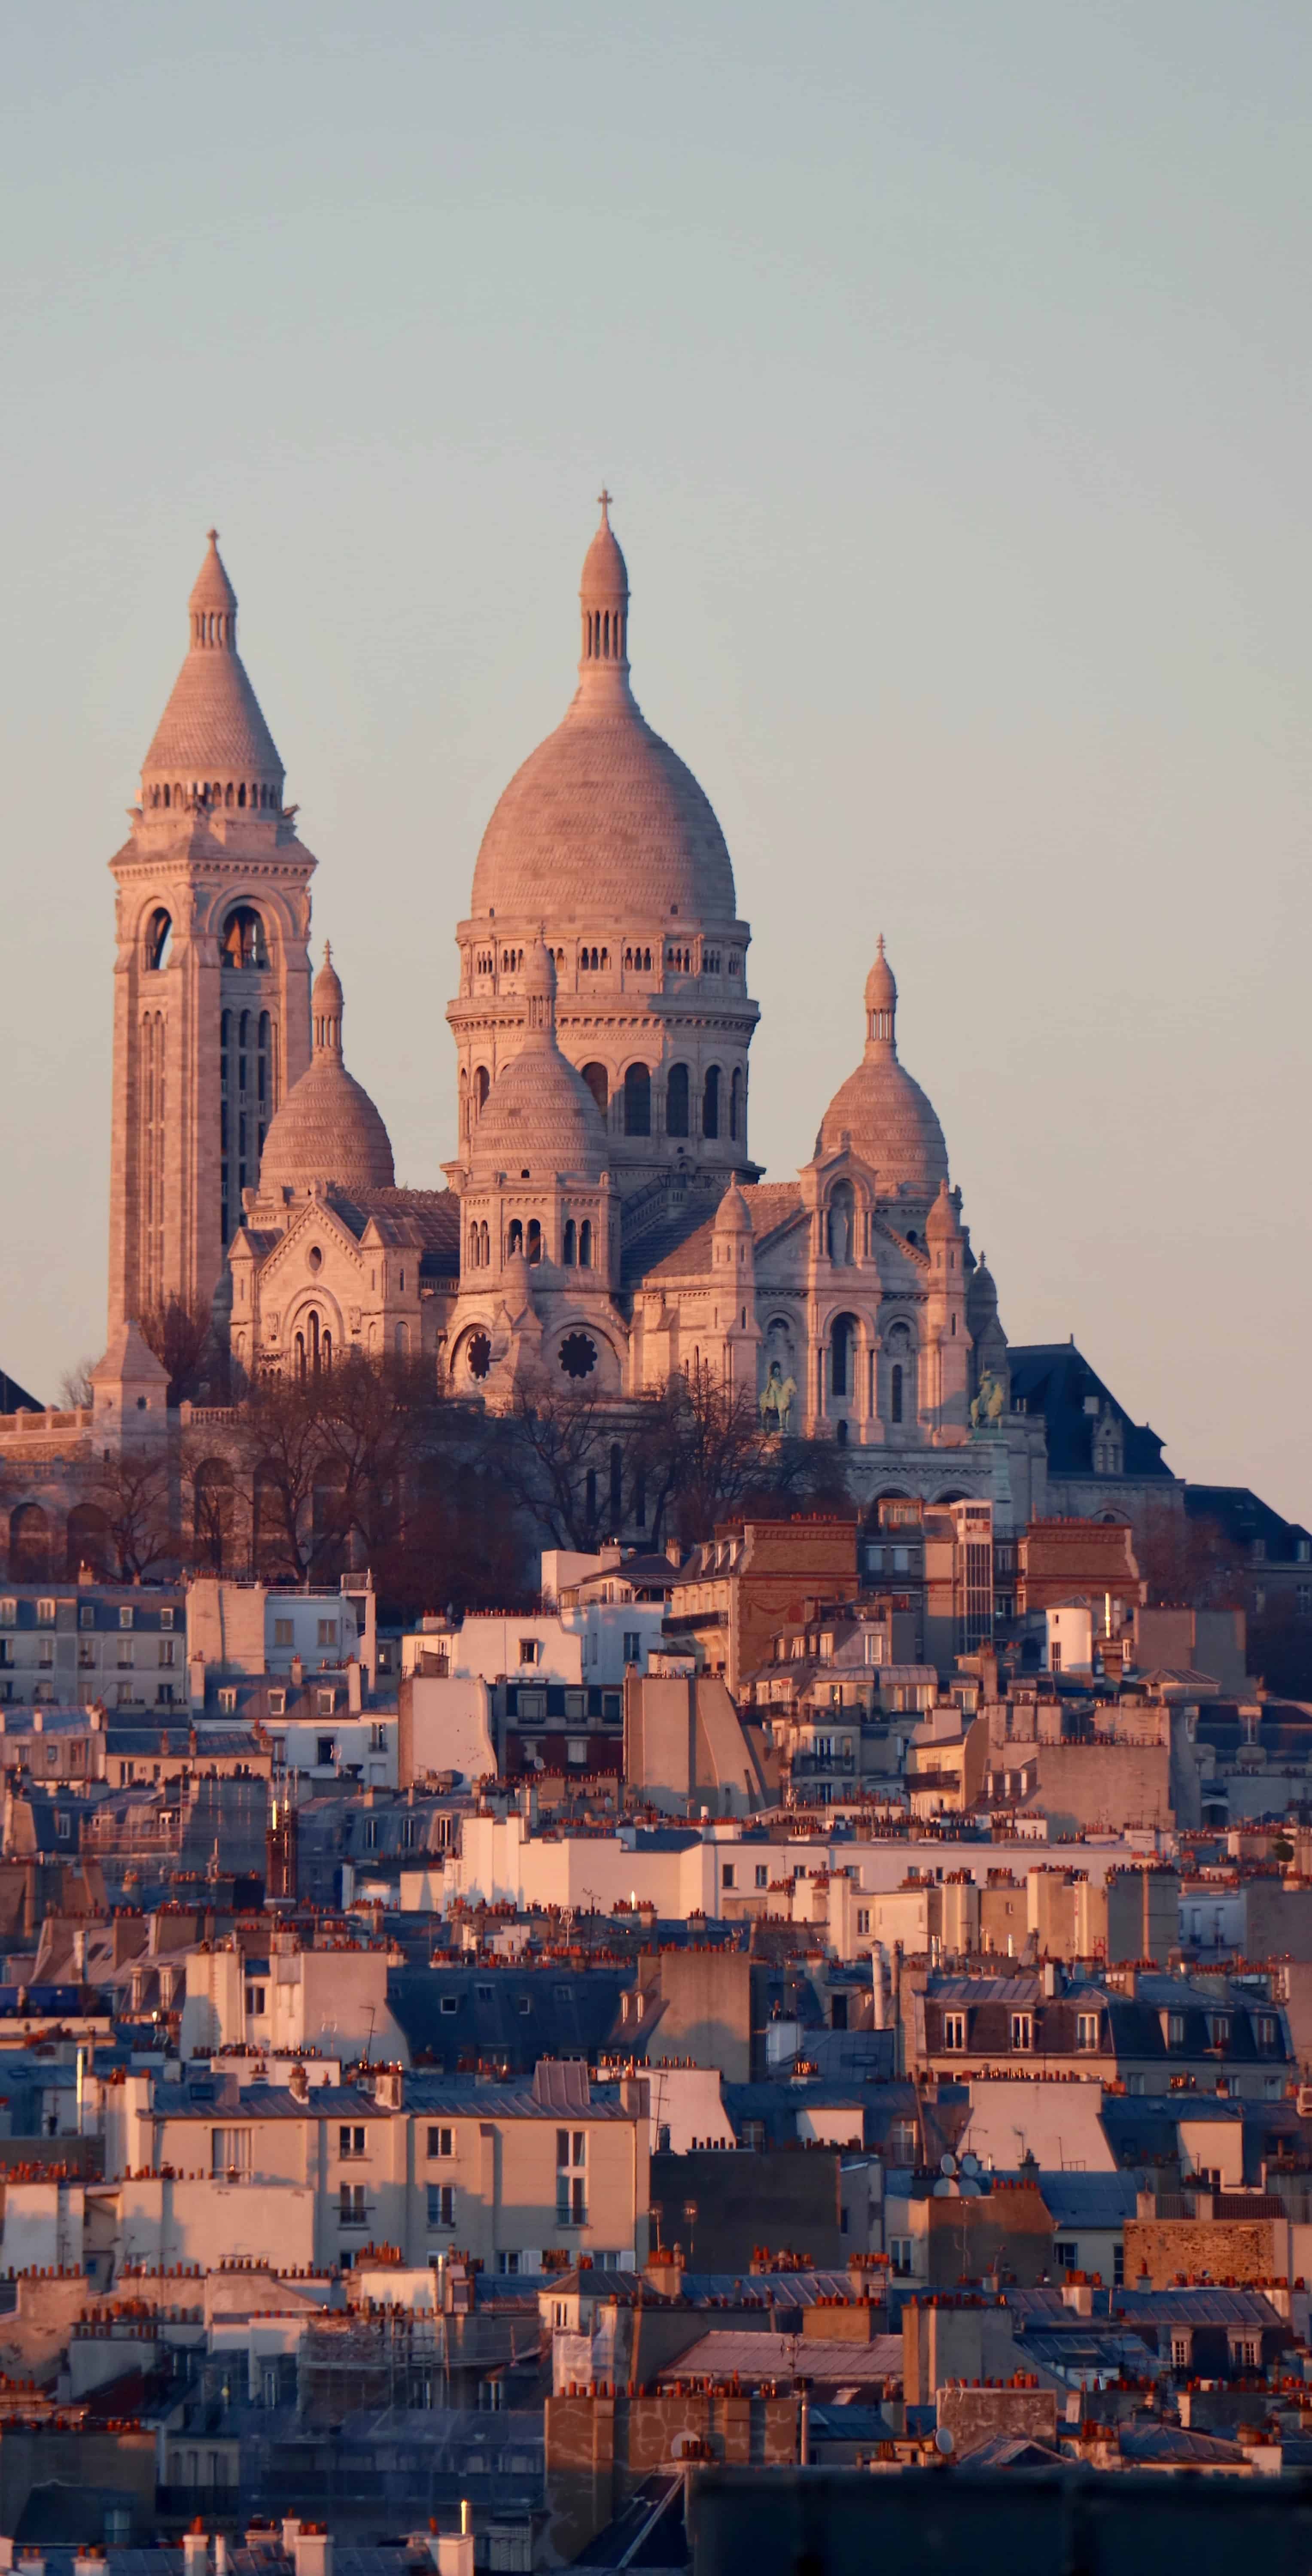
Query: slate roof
[(1053, 1379), (1244, 1517), (429, 1219), (773, 1205), (15, 1398), (571, 2011)]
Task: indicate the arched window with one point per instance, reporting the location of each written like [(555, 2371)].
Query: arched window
[(29, 1543), (402, 1341), (676, 1101), (637, 1101), (533, 1242), (244, 942), (484, 1245), (595, 1077), (568, 1244), (159, 934), (473, 1247), (841, 1223), (515, 1237), (482, 1086), (842, 1349), (711, 1102), (585, 1245), (736, 1105), (88, 1542)]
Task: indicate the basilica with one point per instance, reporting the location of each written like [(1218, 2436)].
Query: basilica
[(603, 1223)]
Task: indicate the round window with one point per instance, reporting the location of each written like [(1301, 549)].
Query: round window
[(578, 1355), (314, 1257), (479, 1352)]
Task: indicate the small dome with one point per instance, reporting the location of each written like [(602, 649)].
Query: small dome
[(540, 1118), (605, 580), (943, 1224), (881, 988), (733, 1215), (327, 1130), (886, 1115)]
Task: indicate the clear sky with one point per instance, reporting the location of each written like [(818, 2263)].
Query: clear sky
[(949, 364)]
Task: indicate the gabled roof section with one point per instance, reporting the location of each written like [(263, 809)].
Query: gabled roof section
[(772, 1205), (1054, 1379)]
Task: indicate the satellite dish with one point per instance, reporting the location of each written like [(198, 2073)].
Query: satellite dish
[(970, 2164), (970, 2188), (947, 2164), (943, 2189), (944, 2442)]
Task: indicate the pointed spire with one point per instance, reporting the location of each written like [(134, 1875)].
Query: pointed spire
[(540, 991), (326, 1005), (604, 600), (881, 1002), (212, 748)]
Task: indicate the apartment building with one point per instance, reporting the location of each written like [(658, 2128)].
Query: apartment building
[(67, 1645)]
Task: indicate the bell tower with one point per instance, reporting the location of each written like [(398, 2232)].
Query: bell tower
[(212, 973)]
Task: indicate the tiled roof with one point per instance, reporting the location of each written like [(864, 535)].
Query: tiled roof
[(772, 1204)]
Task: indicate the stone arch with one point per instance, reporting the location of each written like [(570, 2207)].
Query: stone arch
[(29, 1543), (88, 1541), (678, 1105), (637, 1100), (212, 1513), (244, 940), (840, 1224), (711, 1089), (844, 1345), (598, 1082)]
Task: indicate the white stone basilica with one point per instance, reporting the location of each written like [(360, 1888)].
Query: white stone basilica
[(603, 1221)]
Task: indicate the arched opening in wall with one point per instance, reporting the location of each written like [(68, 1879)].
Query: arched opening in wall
[(954, 1494), (514, 1237), (29, 1543), (677, 1102), (159, 938), (313, 1347), (896, 1393), (478, 1355), (401, 1341), (533, 1240), (736, 1120), (473, 1247), (245, 946), (840, 1224), (900, 1348), (637, 1101), (585, 1245), (271, 1549), (482, 1086), (569, 1245), (212, 1515), (598, 1083), (484, 1245), (711, 1102), (616, 1485), (329, 1524), (843, 1337), (88, 1542), (464, 1100)]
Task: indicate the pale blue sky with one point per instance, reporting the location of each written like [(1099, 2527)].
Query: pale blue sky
[(950, 367)]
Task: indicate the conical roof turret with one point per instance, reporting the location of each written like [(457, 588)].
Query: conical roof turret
[(327, 1130), (211, 744)]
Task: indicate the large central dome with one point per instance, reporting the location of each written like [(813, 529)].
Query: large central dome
[(603, 818)]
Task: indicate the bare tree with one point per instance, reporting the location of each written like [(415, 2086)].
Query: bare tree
[(132, 1490), (278, 1449), (703, 1457), (184, 1341), (555, 1455), (75, 1387)]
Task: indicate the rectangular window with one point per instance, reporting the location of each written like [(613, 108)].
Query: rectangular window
[(327, 1632), (166, 1651), (256, 2000), (899, 2248), (327, 1702), (450, 2003), (45, 1614), (1066, 2256), (277, 1703), (378, 1739), (351, 2210), (166, 1618), (1268, 2030), (1086, 2030), (954, 2030), (125, 1616), (9, 1613), (1218, 2030), (862, 1921), (530, 1650), (230, 2152), (350, 2140), (632, 1645), (727, 1874), (86, 1617), (325, 1751), (227, 1702), (762, 1875), (1022, 2030), (1175, 2030), (441, 2204), (441, 2142), (284, 1632)]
